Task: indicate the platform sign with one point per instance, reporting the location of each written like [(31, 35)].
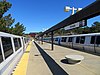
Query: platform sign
[(76, 25)]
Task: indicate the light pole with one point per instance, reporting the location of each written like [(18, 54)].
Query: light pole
[(67, 8)]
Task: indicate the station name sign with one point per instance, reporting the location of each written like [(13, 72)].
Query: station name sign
[(76, 25)]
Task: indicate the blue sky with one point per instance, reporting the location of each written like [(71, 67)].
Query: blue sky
[(37, 15)]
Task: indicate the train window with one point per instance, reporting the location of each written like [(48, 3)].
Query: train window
[(25, 40), (70, 39), (56, 39), (63, 39), (98, 40), (77, 39), (82, 39), (19, 40), (7, 46), (92, 39), (17, 43), (1, 58)]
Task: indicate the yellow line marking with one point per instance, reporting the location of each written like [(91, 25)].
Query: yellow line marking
[(22, 66)]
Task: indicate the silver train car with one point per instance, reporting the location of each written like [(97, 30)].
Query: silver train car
[(12, 48), (85, 42)]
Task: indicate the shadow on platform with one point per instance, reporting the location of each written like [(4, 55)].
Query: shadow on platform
[(53, 66), (65, 61)]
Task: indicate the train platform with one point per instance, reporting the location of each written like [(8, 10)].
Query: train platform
[(39, 59)]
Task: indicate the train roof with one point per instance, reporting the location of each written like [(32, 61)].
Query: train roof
[(90, 34), (8, 35)]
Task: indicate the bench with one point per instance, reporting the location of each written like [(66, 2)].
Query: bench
[(72, 59)]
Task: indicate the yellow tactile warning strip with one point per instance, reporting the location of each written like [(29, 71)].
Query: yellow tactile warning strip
[(22, 66)]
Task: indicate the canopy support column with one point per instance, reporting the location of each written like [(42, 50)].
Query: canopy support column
[(52, 40)]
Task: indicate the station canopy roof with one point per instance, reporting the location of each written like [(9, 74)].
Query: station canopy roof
[(88, 12)]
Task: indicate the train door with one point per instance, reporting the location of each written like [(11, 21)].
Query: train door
[(70, 42), (76, 43), (97, 44), (56, 40), (63, 41), (82, 42), (89, 44), (59, 40), (23, 42)]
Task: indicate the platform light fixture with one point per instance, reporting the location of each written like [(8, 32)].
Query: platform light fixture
[(67, 8)]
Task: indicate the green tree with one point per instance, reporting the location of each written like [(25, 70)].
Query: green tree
[(81, 30), (95, 27), (58, 32), (4, 6), (86, 30), (6, 22), (18, 29), (63, 31)]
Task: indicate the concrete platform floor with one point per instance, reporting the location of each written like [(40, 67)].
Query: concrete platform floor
[(44, 61)]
